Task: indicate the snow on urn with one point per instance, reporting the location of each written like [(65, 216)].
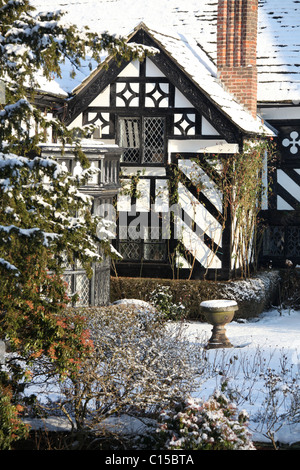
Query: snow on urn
[(218, 313)]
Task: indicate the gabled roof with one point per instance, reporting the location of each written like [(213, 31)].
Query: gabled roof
[(195, 63), (200, 70)]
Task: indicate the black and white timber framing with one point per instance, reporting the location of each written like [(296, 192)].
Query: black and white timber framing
[(157, 114), (281, 242)]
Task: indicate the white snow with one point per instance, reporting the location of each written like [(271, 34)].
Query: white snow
[(136, 302), (222, 303), (8, 265), (263, 348), (265, 345), (196, 23)]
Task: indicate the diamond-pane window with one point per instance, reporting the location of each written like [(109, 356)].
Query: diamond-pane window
[(130, 139), (78, 283), (143, 247), (274, 241), (143, 139), (154, 131), (155, 251), (82, 289), (293, 242), (130, 250)]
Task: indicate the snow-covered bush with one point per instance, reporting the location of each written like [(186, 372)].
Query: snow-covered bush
[(162, 299), (137, 366), (204, 425)]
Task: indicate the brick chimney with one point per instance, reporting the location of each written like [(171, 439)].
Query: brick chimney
[(236, 50)]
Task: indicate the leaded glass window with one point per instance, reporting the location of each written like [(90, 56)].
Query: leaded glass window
[(130, 132), (142, 248), (143, 139)]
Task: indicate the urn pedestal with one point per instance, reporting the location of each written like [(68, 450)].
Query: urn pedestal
[(218, 313)]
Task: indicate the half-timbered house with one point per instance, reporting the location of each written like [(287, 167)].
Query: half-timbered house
[(223, 73)]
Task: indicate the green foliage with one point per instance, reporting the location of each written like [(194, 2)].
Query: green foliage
[(51, 214), (204, 425), (162, 299), (42, 225), (11, 426), (37, 322), (45, 221)]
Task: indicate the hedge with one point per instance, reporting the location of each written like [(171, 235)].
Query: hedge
[(252, 295)]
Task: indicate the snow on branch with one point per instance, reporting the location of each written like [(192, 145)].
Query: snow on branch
[(9, 266), (30, 232)]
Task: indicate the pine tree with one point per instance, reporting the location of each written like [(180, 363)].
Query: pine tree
[(44, 218)]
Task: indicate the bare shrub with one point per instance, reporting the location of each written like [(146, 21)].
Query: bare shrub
[(139, 363)]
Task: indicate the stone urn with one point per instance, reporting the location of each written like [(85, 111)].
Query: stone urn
[(218, 313)]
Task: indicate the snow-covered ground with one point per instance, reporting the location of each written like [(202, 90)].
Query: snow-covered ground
[(261, 370), (263, 364)]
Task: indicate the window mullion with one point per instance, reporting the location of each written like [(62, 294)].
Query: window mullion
[(142, 145)]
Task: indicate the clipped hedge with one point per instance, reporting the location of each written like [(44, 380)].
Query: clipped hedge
[(252, 295)]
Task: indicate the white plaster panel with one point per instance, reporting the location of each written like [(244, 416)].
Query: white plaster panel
[(147, 171), (197, 248), (143, 201), (161, 195), (201, 146), (152, 70), (181, 101), (149, 102), (131, 70), (199, 214), (124, 200), (199, 177), (76, 123), (102, 99), (282, 205), (207, 128), (120, 87), (286, 182)]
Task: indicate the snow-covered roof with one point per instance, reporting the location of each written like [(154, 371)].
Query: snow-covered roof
[(278, 57), (278, 51), (187, 31), (196, 64)]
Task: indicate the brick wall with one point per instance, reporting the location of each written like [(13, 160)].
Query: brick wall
[(236, 50)]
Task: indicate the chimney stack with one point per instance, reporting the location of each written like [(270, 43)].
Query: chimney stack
[(236, 50)]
